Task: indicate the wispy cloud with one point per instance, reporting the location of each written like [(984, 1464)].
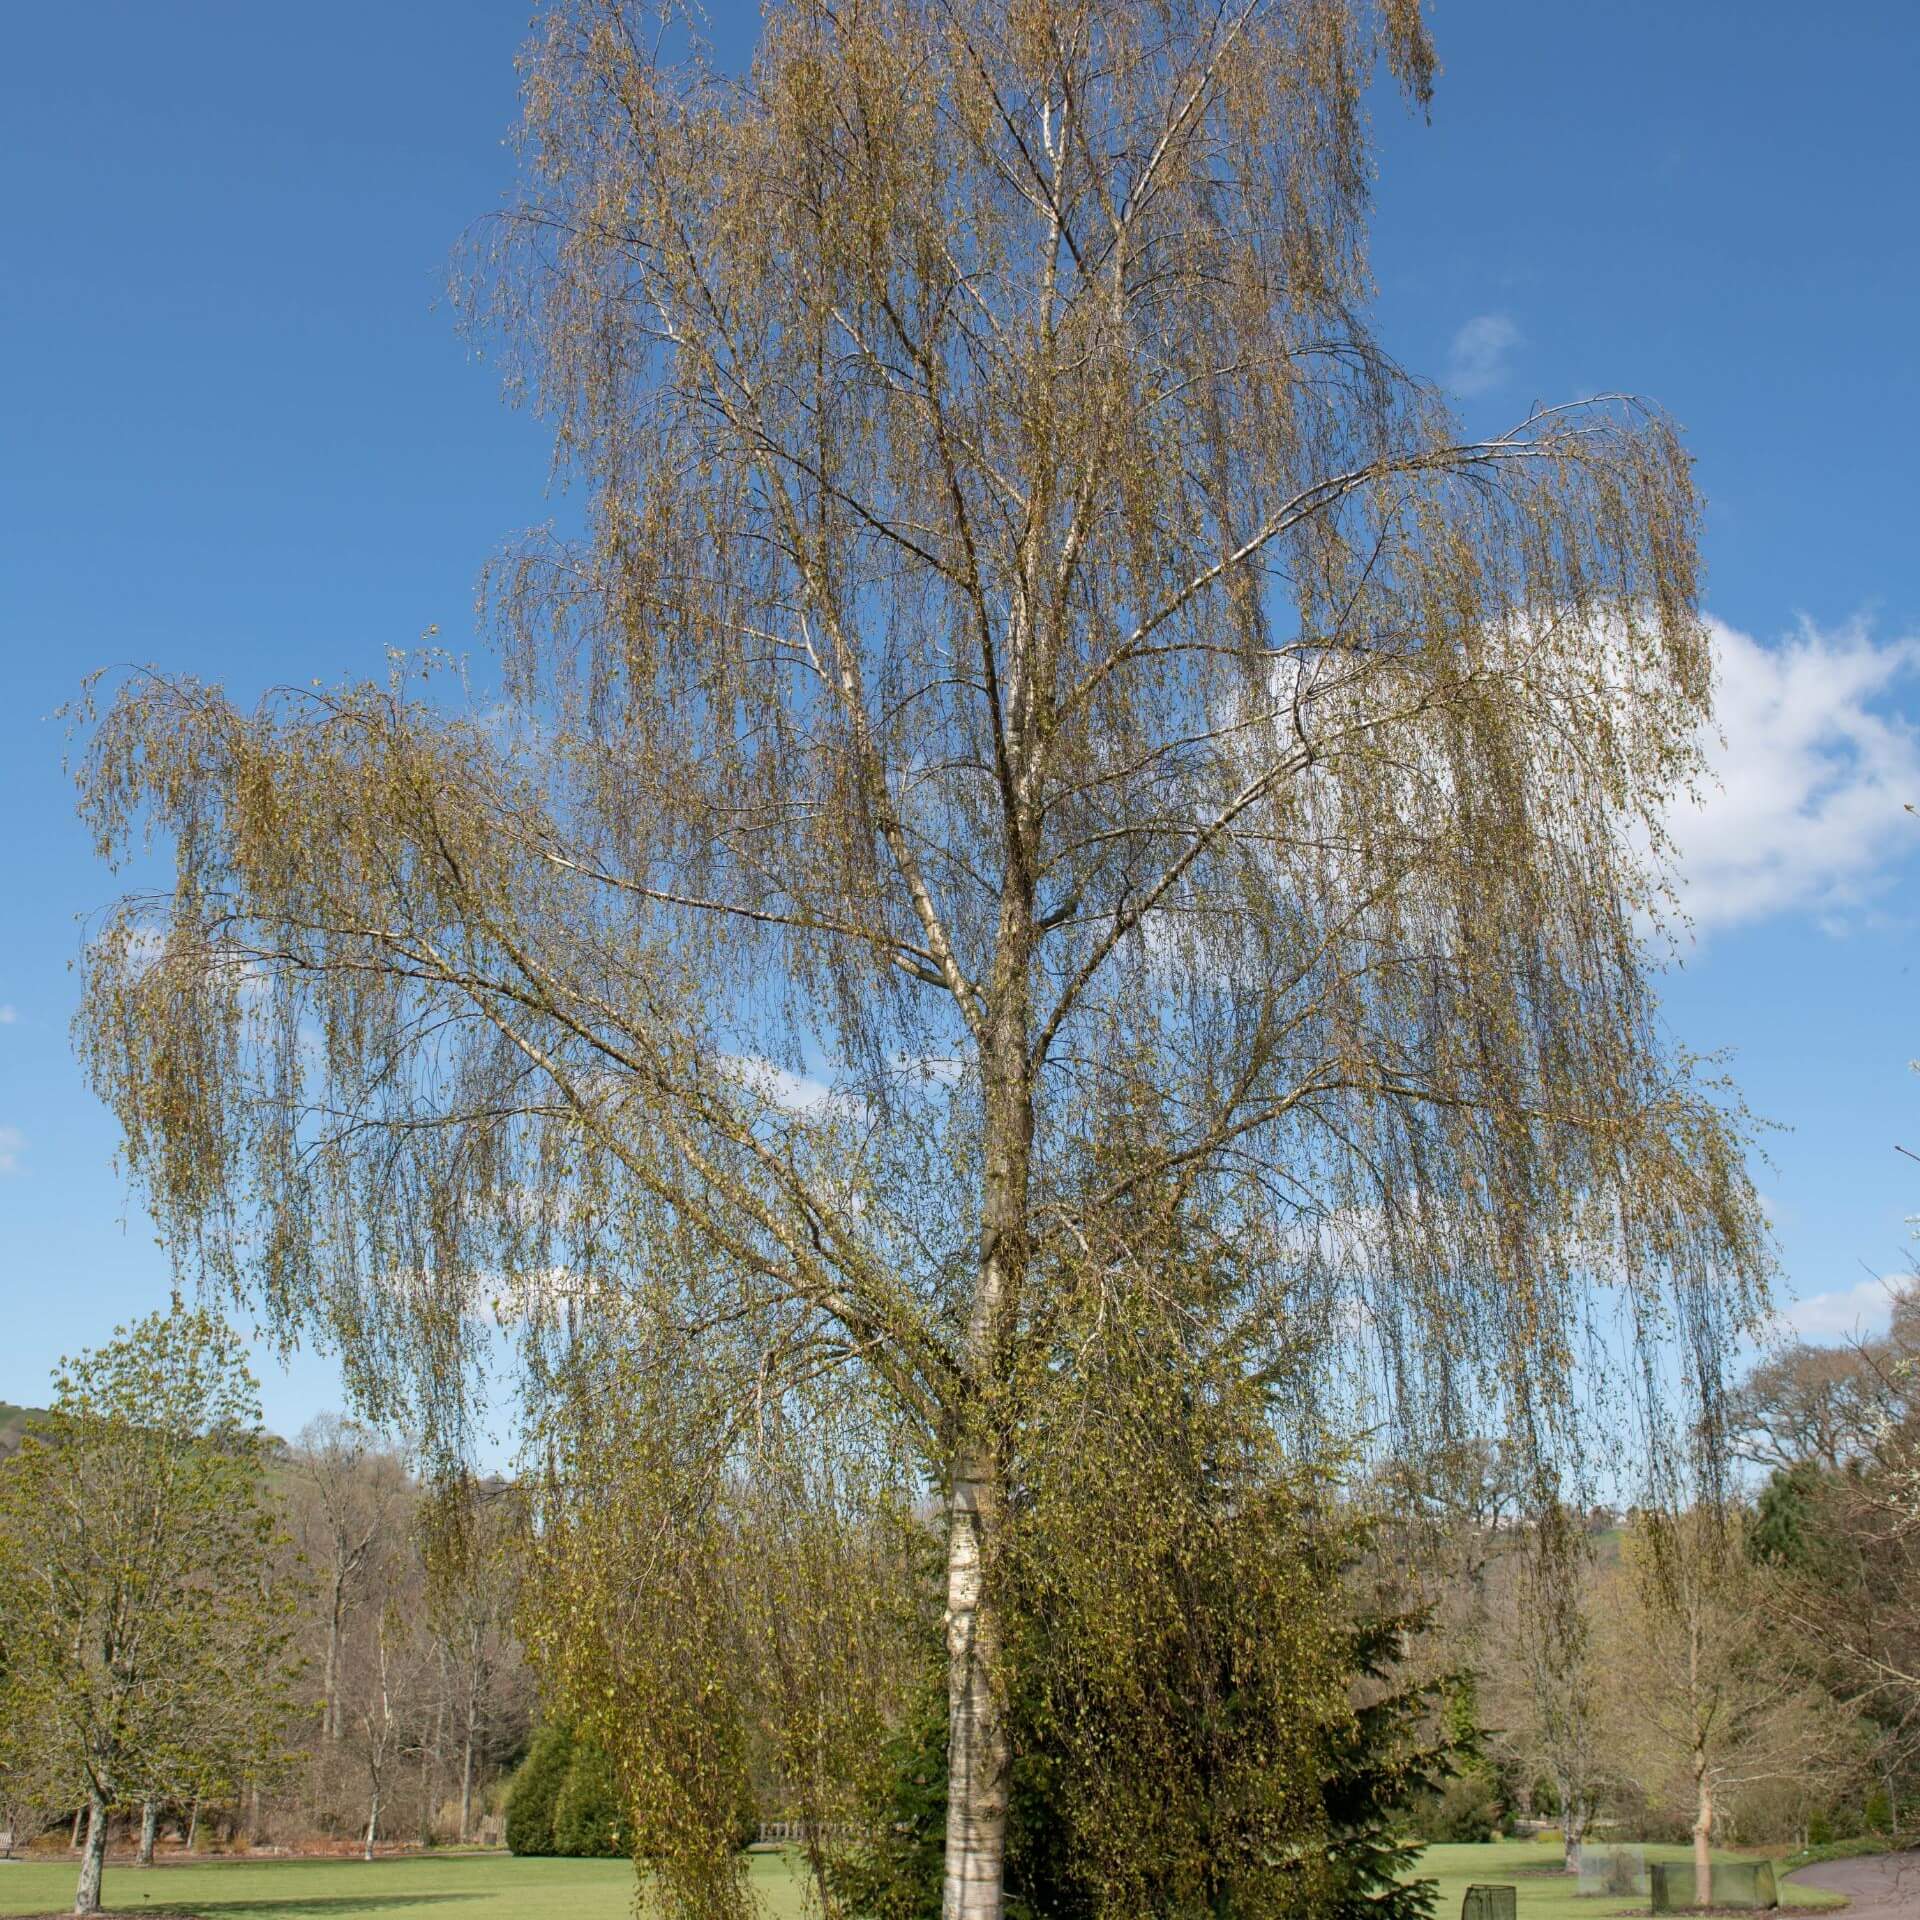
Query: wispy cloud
[(1844, 1314), (1478, 360), (1811, 780), (13, 1143), (8, 1014)]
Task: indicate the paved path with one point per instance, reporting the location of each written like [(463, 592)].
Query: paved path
[(1883, 1887)]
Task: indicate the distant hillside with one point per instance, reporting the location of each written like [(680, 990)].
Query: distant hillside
[(13, 1423)]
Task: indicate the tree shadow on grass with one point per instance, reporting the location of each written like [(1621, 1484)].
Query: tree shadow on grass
[(322, 1904)]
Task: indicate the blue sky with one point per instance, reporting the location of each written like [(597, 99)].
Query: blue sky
[(239, 435)]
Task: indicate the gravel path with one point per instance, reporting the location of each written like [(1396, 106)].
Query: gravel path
[(1883, 1887)]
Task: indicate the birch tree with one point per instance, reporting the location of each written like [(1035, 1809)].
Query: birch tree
[(1030, 652)]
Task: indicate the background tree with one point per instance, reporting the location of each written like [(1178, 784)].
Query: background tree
[(352, 1499), (1030, 650), (1706, 1700), (1552, 1632), (146, 1653), (1837, 1534), (473, 1551)]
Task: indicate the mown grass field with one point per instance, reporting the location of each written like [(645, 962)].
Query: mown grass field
[(497, 1887), (472, 1886), (1545, 1892)]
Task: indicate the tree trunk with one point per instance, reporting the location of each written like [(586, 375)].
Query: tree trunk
[(979, 1753), (256, 1832), (193, 1825), (1703, 1843), (149, 1826), (1573, 1827), (86, 1895), (430, 1769), (329, 1706), (79, 1821), (466, 1783), (373, 1826)]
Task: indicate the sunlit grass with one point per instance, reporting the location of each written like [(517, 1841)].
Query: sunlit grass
[(476, 1886)]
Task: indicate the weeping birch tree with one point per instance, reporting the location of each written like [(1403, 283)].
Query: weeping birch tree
[(1031, 657)]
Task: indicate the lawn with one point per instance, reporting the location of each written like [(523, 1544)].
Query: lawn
[(497, 1887), (468, 1886), (1545, 1891)]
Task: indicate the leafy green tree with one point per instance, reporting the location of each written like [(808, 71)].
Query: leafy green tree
[(147, 1644), (587, 1816), (1373, 1758), (535, 1789)]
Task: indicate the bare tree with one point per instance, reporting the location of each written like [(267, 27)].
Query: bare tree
[(1033, 652), (1706, 1697), (354, 1493), (475, 1539)]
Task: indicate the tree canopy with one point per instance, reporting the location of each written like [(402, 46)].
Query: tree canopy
[(1051, 749), (146, 1646)]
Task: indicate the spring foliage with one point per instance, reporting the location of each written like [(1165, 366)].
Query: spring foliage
[(1033, 667), (146, 1633)]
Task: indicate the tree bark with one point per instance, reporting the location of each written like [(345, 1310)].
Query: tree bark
[(86, 1895), (979, 1753), (149, 1826), (193, 1825), (466, 1782), (330, 1706), (1703, 1841), (1573, 1826), (373, 1826)]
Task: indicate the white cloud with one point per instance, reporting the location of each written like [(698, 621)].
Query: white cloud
[(1808, 807), (799, 1094), (8, 1014), (13, 1143), (1477, 360), (1846, 1313)]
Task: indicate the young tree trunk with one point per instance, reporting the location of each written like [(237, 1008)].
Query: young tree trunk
[(330, 1706), (1703, 1841), (466, 1783), (149, 1826), (1573, 1826), (193, 1825), (79, 1821), (373, 1825), (86, 1895), (256, 1831), (430, 1770)]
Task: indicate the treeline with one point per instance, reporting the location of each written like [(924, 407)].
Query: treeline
[(1732, 1665), (419, 1697), (210, 1638)]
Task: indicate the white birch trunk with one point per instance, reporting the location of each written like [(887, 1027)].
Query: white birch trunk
[(86, 1895), (979, 1753), (1703, 1841), (978, 1757)]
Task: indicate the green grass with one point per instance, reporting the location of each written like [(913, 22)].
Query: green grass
[(447, 1886), (1534, 1867), (491, 1886)]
